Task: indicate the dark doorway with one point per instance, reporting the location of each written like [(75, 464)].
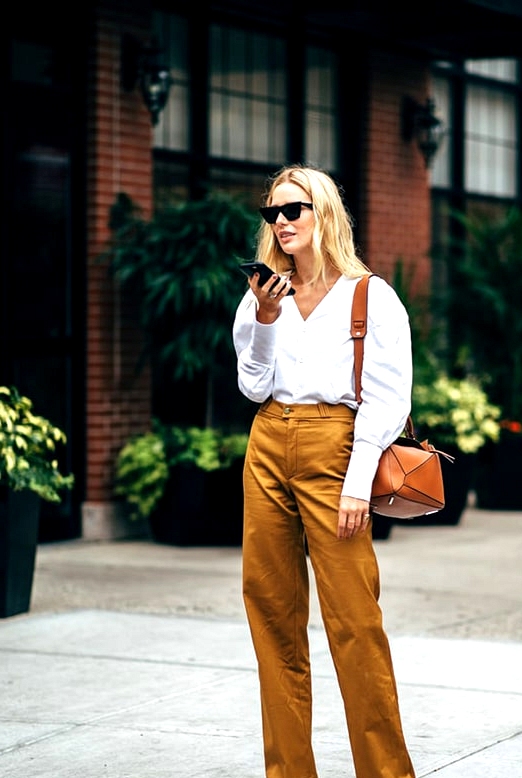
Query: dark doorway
[(42, 246)]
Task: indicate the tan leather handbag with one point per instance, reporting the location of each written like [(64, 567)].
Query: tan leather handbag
[(408, 482)]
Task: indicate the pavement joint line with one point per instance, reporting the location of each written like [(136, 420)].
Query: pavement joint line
[(20, 745), (451, 687), (106, 716), (481, 619), (464, 755), (130, 660)]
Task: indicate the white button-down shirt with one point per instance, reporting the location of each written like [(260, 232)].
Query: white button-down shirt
[(310, 361)]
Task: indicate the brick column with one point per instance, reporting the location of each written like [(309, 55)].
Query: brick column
[(396, 204), (118, 400)]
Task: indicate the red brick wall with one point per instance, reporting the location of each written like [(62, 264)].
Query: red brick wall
[(397, 196), (119, 160)]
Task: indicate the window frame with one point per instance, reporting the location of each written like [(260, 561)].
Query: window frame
[(459, 79), (197, 169)]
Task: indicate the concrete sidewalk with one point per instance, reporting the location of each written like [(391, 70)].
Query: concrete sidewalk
[(135, 660)]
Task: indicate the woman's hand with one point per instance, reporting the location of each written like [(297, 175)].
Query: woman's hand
[(269, 296), (354, 516)]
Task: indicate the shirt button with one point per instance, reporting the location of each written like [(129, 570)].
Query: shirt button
[(287, 410)]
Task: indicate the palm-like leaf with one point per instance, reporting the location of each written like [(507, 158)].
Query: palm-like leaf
[(182, 268)]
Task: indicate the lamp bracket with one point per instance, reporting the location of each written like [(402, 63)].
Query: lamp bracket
[(141, 65), (420, 123)]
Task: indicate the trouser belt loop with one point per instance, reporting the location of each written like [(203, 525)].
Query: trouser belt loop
[(324, 410)]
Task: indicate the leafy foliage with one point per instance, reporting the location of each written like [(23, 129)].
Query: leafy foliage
[(421, 323), (28, 448), (486, 304), (142, 473), (144, 464), (449, 411), (455, 412), (182, 268), (209, 449)]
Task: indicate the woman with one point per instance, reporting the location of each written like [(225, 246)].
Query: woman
[(311, 460)]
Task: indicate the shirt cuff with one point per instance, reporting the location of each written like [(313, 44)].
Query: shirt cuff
[(263, 343), (361, 470)]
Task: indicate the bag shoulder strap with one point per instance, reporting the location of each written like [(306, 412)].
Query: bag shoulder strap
[(358, 329)]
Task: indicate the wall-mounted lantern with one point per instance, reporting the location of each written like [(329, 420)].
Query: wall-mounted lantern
[(420, 123), (141, 65)]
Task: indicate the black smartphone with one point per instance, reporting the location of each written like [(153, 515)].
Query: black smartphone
[(249, 268)]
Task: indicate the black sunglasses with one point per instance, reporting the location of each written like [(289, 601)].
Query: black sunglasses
[(291, 211)]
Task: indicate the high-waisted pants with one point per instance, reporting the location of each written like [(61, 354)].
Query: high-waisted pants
[(294, 470)]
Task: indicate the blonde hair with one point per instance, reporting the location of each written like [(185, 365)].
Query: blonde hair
[(332, 240)]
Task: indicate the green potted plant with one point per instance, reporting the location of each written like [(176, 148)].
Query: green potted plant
[(456, 414), (173, 477), (487, 337), (29, 472), (181, 269), (457, 417)]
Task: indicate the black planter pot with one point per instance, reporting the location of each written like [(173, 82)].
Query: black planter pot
[(499, 466), (381, 527), (201, 508), (458, 480), (19, 516)]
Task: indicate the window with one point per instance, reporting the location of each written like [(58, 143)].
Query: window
[(172, 131), (500, 69), (476, 171), (485, 141), (490, 142), (321, 108), (247, 96)]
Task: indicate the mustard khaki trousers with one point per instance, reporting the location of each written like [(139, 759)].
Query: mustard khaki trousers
[(294, 470)]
